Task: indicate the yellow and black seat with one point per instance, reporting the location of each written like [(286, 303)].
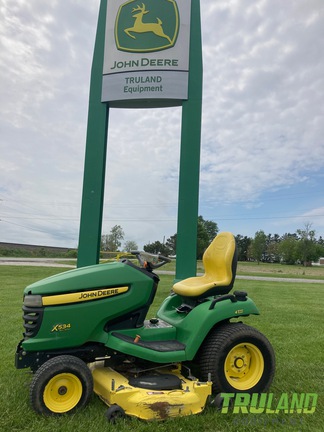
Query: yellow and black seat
[(220, 261)]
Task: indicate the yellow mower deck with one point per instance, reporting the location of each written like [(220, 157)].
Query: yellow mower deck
[(148, 404)]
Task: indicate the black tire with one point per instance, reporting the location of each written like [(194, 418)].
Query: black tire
[(61, 385), (115, 413), (217, 402), (239, 359)]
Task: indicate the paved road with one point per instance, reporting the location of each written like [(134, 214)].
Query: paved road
[(275, 279), (38, 262), (52, 262)]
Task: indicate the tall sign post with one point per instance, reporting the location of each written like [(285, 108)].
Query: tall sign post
[(188, 200), (147, 55), (95, 157)]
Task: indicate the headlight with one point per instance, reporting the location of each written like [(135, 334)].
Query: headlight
[(33, 301)]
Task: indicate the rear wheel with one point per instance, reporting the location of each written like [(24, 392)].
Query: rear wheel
[(61, 385), (239, 359)]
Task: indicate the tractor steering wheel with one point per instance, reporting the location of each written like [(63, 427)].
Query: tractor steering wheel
[(150, 261)]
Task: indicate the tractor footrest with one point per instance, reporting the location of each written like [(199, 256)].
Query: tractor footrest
[(161, 346)]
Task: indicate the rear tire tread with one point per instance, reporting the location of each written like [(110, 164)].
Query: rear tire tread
[(211, 355)]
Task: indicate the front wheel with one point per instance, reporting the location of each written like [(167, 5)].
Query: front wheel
[(239, 359), (61, 385)]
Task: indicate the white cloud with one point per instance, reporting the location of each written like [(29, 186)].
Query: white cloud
[(261, 108), (262, 129)]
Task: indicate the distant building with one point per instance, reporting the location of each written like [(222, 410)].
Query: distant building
[(32, 248), (319, 262)]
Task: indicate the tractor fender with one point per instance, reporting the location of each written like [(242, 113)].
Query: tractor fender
[(193, 327)]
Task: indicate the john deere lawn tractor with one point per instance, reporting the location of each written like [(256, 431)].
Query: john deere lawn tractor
[(86, 330)]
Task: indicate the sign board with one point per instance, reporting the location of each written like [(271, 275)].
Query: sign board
[(146, 56)]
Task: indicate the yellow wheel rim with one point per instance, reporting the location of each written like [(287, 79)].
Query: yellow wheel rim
[(62, 393), (244, 366)]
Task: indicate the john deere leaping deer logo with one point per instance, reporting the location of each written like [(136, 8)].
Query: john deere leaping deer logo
[(147, 27), (143, 27)]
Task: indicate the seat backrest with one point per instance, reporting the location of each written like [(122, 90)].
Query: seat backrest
[(220, 261)]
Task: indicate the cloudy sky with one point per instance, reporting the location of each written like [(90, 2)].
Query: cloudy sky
[(262, 147)]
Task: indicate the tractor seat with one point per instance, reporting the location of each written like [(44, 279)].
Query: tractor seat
[(220, 260)]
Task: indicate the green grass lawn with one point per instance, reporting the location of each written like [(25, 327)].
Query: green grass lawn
[(280, 270), (291, 317)]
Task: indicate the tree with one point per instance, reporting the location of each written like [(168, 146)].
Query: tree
[(307, 249), (288, 248), (272, 248), (320, 241), (112, 241), (157, 248), (272, 251), (206, 232), (104, 242), (130, 245), (243, 244), (320, 247), (171, 244), (249, 252), (202, 239), (320, 250), (259, 244), (211, 228)]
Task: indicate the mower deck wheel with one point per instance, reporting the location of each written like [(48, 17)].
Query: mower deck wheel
[(114, 413)]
